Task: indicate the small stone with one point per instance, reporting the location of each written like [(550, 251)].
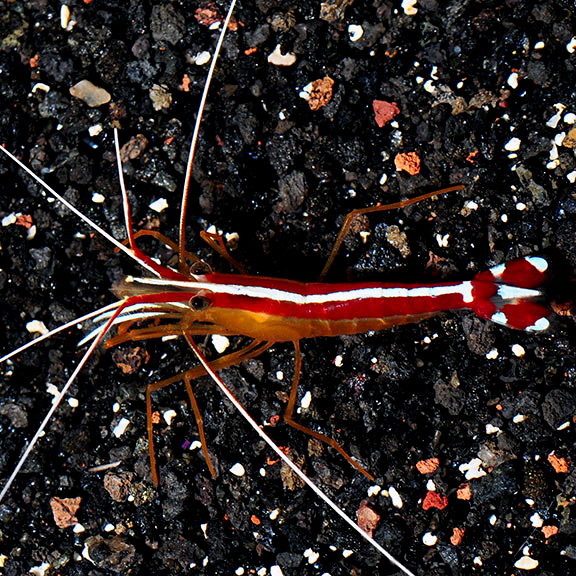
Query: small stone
[(279, 59), (526, 563), (90, 94)]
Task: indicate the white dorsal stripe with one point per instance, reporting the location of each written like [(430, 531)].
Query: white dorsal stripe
[(463, 289)]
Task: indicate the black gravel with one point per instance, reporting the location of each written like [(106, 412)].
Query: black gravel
[(282, 176)]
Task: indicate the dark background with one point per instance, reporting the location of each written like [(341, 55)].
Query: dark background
[(401, 396)]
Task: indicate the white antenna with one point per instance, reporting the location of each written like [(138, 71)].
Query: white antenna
[(224, 389)]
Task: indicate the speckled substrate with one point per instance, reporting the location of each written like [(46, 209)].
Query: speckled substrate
[(484, 90)]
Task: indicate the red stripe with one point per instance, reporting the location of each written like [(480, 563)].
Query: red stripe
[(348, 310)]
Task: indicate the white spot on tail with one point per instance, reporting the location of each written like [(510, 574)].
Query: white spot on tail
[(539, 263), (499, 318), (497, 271), (506, 292)]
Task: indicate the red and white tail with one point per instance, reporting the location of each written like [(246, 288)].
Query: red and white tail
[(511, 294)]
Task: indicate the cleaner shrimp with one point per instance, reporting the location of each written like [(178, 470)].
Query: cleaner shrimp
[(418, 391)]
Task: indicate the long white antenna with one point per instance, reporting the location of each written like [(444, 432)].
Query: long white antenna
[(55, 403), (77, 212), (224, 389), (70, 324), (184, 204)]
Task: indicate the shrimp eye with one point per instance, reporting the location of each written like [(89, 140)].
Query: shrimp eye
[(200, 268), (199, 303)]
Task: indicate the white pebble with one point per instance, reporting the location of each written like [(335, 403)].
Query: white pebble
[(536, 520), (429, 86), (169, 415), (39, 570), (570, 118), (374, 490), (10, 219), (98, 198), (355, 32), (553, 121), (159, 205), (519, 418), (202, 58), (539, 45), (238, 470), (306, 400), (347, 553), (471, 205), (409, 7), (559, 138), (397, 501), (36, 327), (95, 130), (120, 428), (513, 144), (571, 46), (442, 240), (490, 429), (306, 91), (40, 86), (90, 94), (276, 570), (64, 16), (526, 563), (279, 59), (472, 469), (51, 389), (521, 206), (429, 539), (513, 80), (220, 343), (518, 350), (311, 555)]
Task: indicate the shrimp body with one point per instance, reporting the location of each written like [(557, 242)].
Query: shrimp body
[(269, 309)]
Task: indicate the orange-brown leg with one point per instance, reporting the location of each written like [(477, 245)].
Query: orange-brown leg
[(313, 433), (199, 423), (213, 240), (188, 256), (360, 211), (217, 244), (251, 351)]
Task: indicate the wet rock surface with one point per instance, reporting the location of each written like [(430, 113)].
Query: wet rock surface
[(484, 93)]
